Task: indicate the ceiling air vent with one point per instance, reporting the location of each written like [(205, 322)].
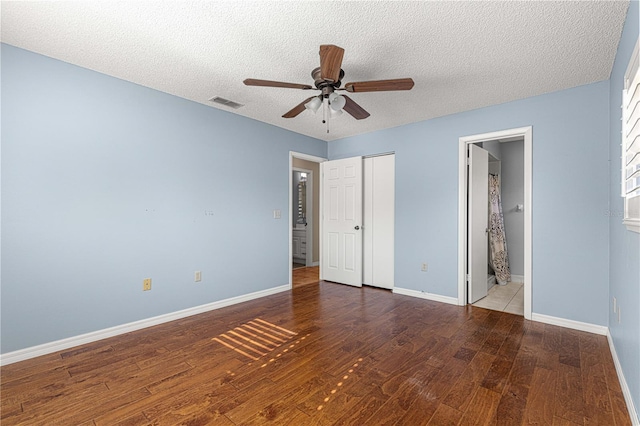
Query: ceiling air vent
[(225, 102)]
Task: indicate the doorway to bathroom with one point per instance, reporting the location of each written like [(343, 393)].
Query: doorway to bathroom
[(495, 221), (304, 216)]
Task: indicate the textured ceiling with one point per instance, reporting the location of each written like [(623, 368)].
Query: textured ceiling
[(461, 55)]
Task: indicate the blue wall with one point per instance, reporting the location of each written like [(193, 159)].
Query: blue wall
[(624, 267), (105, 183), (570, 226)]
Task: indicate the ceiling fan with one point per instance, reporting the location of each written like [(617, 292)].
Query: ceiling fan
[(327, 78)]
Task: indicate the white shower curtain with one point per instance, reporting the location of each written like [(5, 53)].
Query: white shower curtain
[(497, 238)]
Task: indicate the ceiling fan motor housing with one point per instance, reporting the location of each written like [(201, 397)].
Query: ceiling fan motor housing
[(322, 83)]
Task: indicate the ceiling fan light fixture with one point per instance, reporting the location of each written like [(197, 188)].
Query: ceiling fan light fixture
[(314, 104), (335, 113), (337, 102)]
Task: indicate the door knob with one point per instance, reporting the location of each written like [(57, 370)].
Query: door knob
[(356, 227)]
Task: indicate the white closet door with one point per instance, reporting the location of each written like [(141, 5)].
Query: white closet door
[(341, 221), (367, 222), (379, 220)]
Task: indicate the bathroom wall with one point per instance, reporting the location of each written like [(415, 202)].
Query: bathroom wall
[(493, 147), (512, 179)]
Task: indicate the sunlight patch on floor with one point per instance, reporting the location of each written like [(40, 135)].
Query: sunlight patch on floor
[(255, 338)]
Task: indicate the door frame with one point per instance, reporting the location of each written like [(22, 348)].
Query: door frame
[(527, 134), (314, 159)]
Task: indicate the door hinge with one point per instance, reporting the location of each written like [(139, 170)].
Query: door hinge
[(468, 277)]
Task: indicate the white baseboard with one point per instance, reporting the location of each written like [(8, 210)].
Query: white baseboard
[(623, 383), (567, 323), (58, 345), (425, 295), (517, 278), (315, 264)]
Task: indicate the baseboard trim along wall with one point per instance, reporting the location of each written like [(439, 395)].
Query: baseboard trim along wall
[(47, 348), (517, 278), (425, 295), (635, 420), (567, 323)]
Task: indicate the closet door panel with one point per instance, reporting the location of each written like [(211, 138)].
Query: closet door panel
[(383, 220), (367, 222), (379, 221)]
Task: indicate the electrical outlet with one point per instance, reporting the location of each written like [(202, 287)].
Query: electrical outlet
[(198, 276), (615, 305), (146, 284), (277, 214), (424, 267)]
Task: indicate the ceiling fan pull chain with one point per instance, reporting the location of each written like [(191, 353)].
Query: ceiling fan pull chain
[(325, 118), (327, 113), (324, 112)]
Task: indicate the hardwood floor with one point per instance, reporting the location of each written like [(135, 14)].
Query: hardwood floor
[(304, 276), (325, 354)]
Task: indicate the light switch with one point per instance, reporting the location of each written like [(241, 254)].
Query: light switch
[(277, 214)]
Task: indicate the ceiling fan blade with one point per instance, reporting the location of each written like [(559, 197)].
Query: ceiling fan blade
[(330, 62), (269, 83), (354, 109), (380, 85), (297, 109)]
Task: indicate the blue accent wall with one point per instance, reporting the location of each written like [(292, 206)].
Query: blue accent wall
[(569, 224), (624, 266), (105, 183)]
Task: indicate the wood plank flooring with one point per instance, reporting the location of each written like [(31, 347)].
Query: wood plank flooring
[(304, 276), (325, 354)]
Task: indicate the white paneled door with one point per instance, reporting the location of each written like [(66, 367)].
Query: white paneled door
[(342, 221), (477, 228)]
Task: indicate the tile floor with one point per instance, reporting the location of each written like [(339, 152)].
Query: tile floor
[(506, 298)]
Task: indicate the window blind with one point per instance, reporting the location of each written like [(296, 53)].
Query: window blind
[(631, 142)]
